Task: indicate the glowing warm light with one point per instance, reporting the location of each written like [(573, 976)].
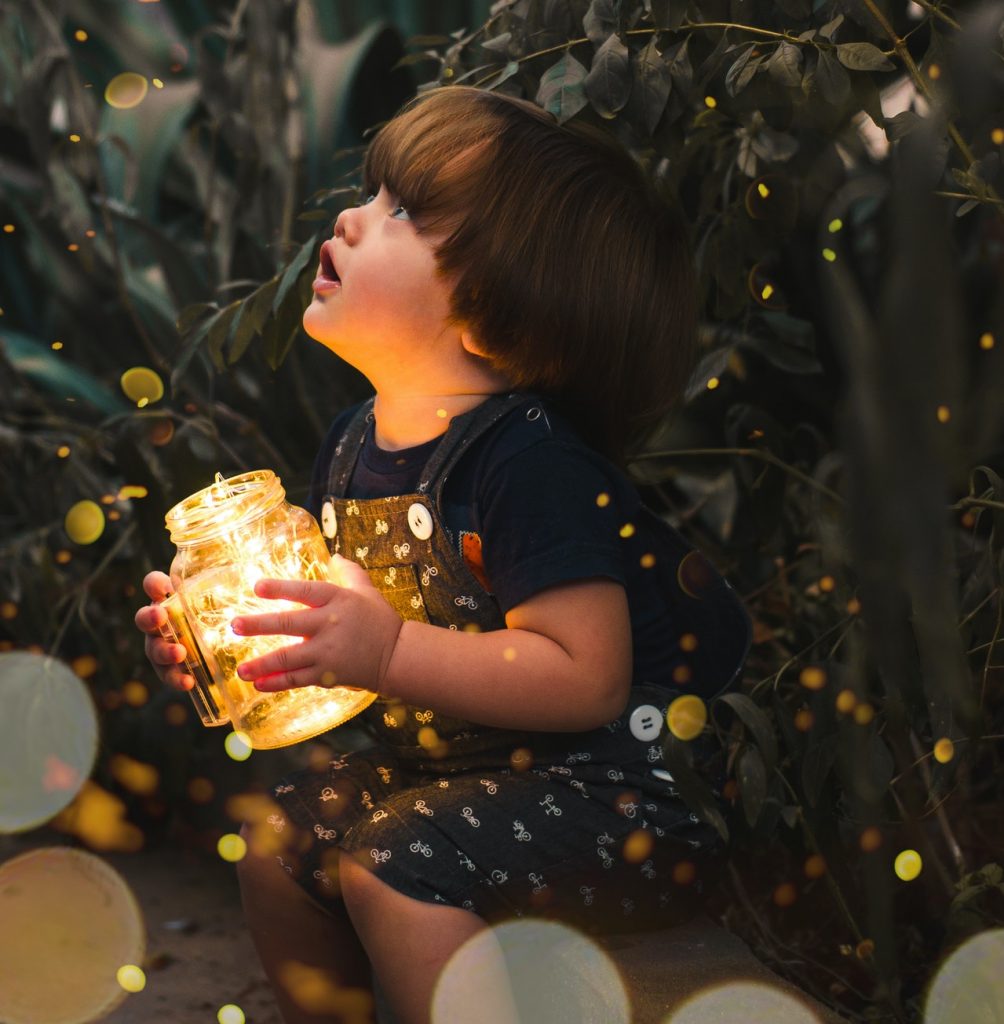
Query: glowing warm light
[(69, 923), (871, 839), (132, 491), (9, 229), (85, 522), (710, 102), (161, 432), (853, 606), (201, 790), (133, 775), (627, 530), (767, 292), (603, 499), (80, 35), (682, 674), (238, 746), (74, 137), (846, 701), (864, 949), (815, 866), (126, 90), (907, 865), (48, 738), (812, 677), (158, 84), (835, 225), (509, 654), (934, 72), (107, 499), (826, 584), (986, 340), (687, 716), (713, 383), (511, 971), (140, 382), (638, 846), (969, 985), (684, 873), (740, 1001), (232, 847), (785, 894), (135, 693), (229, 537), (829, 255), (944, 750), (997, 136), (85, 666), (56, 346), (521, 759), (8, 610), (647, 560), (803, 720), (864, 713), (442, 413), (688, 642), (131, 978), (763, 190), (63, 557), (90, 233), (943, 414)]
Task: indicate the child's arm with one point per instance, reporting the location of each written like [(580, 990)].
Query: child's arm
[(562, 664)]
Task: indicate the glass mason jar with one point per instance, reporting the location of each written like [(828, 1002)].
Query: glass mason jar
[(228, 536)]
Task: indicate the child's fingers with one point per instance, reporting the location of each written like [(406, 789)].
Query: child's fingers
[(150, 618), (163, 652), (157, 585), (178, 679)]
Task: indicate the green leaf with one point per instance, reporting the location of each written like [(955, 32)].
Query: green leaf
[(902, 124), (742, 70), (600, 20), (253, 312), (695, 792), (293, 271), (752, 778), (758, 724), (654, 82), (817, 763), (608, 84), (785, 64), (680, 69), (666, 14), (832, 79), (863, 57), (217, 334), (190, 314), (830, 28), (562, 91), (503, 76), (498, 44)]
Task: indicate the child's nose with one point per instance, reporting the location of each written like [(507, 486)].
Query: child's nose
[(347, 224)]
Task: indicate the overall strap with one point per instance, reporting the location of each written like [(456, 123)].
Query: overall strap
[(464, 430), (348, 448)]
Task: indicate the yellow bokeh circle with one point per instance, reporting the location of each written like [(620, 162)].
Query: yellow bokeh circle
[(126, 90), (232, 847), (908, 865), (944, 750), (230, 1014), (687, 717), (142, 385), (131, 978), (85, 522), (238, 746)]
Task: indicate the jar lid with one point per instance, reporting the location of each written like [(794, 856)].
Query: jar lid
[(224, 504)]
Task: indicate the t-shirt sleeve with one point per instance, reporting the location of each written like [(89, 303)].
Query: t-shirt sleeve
[(550, 514)]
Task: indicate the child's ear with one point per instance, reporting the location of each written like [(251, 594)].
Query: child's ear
[(471, 345)]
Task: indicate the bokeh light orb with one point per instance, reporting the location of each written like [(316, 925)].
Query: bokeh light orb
[(230, 1014), (540, 972), (687, 716), (84, 522), (126, 90), (142, 385), (131, 978), (232, 847), (238, 746), (48, 739), (742, 1002), (969, 985), (68, 924), (908, 865)]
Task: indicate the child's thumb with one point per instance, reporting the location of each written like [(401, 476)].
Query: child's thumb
[(346, 573)]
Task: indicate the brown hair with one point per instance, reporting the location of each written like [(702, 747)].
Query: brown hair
[(574, 275)]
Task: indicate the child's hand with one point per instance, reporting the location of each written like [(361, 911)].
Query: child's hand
[(163, 655), (349, 631)]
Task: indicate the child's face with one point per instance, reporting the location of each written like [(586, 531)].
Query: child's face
[(378, 301)]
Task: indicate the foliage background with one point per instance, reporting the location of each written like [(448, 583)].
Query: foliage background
[(838, 453)]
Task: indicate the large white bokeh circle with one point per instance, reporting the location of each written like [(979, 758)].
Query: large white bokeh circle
[(533, 972), (68, 922), (969, 985), (743, 1002), (48, 738)]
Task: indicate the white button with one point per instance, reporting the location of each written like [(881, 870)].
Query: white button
[(420, 521), (661, 773), (645, 723), (329, 524)]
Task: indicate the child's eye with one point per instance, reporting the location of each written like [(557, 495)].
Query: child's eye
[(367, 199), (400, 213)]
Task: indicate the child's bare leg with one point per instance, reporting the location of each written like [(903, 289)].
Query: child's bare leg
[(410, 942), (318, 969)]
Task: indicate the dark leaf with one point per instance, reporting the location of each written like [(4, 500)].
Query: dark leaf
[(785, 64), (427, 41), (293, 271), (832, 79), (608, 84), (830, 28), (217, 334), (600, 21), (711, 365), (752, 778), (678, 61), (817, 763), (757, 723), (667, 14), (742, 70), (190, 314), (498, 44), (251, 318), (506, 73), (790, 815), (561, 91), (863, 57), (902, 124), (654, 83), (696, 793)]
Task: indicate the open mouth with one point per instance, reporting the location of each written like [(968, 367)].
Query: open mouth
[(328, 271)]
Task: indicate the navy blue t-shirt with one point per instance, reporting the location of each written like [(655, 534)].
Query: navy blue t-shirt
[(547, 509)]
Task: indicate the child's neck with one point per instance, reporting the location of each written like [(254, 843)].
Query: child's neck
[(407, 420)]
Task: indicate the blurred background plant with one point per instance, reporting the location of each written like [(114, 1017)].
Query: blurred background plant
[(166, 175)]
